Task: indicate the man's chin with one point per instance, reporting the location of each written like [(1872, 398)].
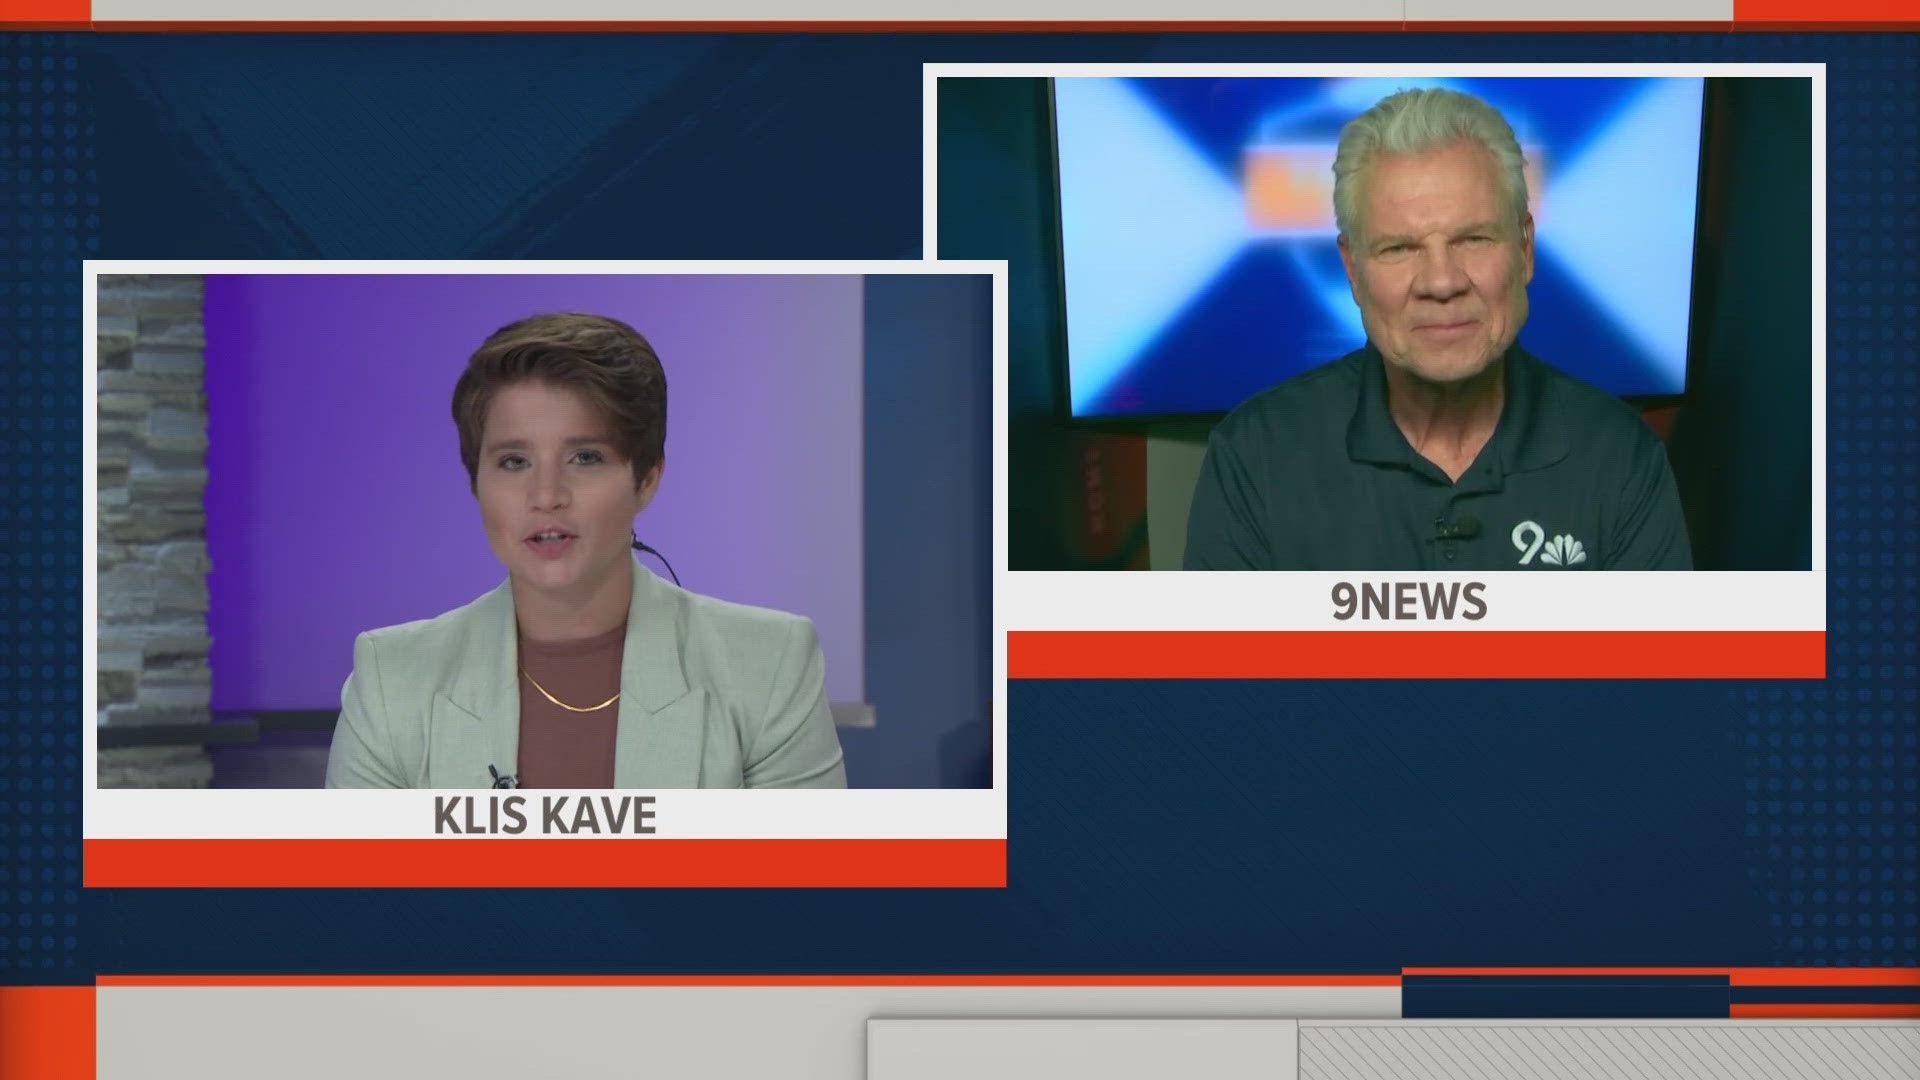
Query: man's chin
[(1448, 369)]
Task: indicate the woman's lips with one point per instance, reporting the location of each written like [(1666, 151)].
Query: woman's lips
[(549, 548)]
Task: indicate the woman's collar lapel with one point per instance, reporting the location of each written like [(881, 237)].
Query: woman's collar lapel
[(662, 734), (476, 721)]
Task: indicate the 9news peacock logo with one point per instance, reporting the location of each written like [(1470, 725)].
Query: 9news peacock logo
[(1530, 540)]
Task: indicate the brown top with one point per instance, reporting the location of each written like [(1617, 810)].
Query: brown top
[(562, 749)]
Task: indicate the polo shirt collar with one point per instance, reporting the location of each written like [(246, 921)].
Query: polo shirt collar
[(1372, 435), (1526, 437)]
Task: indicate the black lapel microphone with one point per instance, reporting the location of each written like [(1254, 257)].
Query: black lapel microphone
[(639, 545)]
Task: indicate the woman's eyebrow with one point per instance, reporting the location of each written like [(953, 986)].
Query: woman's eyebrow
[(522, 444)]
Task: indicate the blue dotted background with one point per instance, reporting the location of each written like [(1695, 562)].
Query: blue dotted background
[(48, 223), (1174, 827), (1833, 771)]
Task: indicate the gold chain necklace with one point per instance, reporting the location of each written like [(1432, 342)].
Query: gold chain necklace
[(562, 704)]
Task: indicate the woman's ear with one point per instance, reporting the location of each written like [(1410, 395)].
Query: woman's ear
[(650, 483)]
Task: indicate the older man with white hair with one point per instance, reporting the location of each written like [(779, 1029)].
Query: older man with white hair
[(1442, 444)]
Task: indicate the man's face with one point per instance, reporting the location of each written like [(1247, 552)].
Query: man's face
[(1441, 273), (547, 462)]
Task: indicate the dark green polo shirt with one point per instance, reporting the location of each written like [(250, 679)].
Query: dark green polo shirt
[(1313, 474)]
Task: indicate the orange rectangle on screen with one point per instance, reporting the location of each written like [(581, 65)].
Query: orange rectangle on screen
[(1416, 654), (1865, 12), (543, 863), (1822, 1011), (46, 13), (1828, 976), (46, 1032), (1289, 188)]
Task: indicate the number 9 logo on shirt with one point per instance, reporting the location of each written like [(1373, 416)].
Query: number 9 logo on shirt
[(1527, 538)]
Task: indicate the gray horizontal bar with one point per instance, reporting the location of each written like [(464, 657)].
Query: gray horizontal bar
[(1029, 1049), (857, 715), (1593, 1050), (214, 733)]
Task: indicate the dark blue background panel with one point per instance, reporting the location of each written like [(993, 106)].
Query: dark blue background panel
[(1158, 827), (1172, 827)]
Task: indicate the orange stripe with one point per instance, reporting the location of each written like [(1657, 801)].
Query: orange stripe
[(1826, 976), (1416, 654), (1828, 11), (1893, 26), (47, 12), (477, 863), (1739, 1011), (1561, 971), (749, 980), (46, 1032)]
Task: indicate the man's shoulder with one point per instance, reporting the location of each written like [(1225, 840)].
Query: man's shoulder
[(1308, 396), (1586, 411)]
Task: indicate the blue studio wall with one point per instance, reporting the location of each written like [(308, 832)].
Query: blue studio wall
[(928, 536)]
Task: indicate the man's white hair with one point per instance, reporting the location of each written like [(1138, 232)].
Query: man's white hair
[(1413, 122)]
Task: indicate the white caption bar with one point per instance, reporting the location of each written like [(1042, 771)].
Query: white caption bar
[(1508, 600), (685, 815)]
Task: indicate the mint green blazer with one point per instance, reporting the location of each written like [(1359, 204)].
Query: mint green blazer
[(712, 695)]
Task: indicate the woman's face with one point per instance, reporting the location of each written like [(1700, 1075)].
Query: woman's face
[(556, 499)]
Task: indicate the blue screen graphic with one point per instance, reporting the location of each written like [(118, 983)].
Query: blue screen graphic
[(1199, 245)]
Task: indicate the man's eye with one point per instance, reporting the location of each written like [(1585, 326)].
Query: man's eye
[(590, 457), (513, 462)]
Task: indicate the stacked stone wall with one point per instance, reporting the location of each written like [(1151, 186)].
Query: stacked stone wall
[(153, 638)]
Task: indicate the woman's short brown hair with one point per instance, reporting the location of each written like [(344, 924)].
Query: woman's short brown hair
[(603, 359)]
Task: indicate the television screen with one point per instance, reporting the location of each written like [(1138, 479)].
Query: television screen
[(1198, 240)]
